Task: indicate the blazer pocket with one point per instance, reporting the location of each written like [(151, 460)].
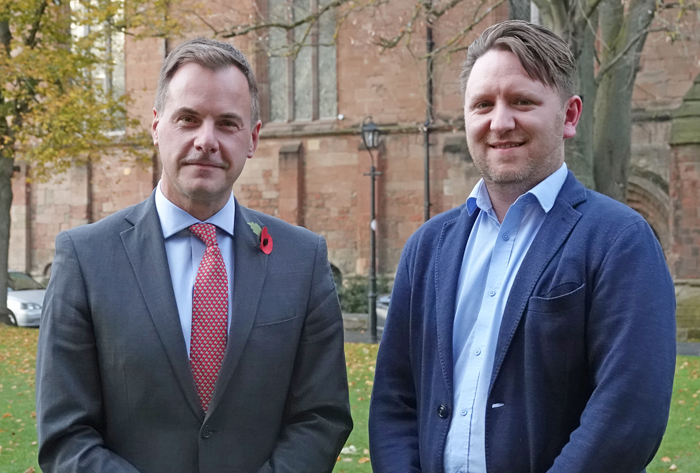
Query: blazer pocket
[(551, 305), (273, 329)]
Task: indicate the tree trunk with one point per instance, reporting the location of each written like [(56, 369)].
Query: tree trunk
[(6, 166), (623, 40), (579, 150), (519, 10)]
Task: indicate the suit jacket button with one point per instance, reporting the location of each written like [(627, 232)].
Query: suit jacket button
[(206, 431), (442, 411)]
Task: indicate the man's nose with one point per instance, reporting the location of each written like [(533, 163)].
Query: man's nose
[(502, 118), (206, 140)]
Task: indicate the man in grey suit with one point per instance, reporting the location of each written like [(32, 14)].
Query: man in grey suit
[(175, 337)]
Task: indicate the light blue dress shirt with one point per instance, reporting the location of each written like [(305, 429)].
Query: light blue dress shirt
[(492, 258), (185, 251)]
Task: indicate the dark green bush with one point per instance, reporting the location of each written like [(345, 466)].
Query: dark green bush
[(354, 290)]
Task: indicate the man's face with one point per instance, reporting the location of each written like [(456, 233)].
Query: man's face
[(204, 136), (515, 125)]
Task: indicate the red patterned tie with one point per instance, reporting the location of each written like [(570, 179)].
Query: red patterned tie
[(209, 315)]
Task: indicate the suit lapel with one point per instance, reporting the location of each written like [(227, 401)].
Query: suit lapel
[(448, 264), (555, 229), (249, 270), (145, 248)]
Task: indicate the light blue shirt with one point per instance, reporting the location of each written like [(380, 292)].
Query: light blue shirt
[(185, 251), (492, 258)]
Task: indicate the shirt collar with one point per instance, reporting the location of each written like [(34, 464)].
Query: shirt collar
[(173, 219), (546, 192)]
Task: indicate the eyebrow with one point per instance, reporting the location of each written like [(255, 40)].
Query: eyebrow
[(513, 92), (190, 111)]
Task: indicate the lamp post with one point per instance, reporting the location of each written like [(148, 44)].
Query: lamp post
[(370, 138)]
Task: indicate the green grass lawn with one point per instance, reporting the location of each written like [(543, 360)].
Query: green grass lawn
[(680, 449), (360, 359), (17, 417)]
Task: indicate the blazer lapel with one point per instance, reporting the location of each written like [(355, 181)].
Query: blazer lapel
[(145, 247), (557, 226), (249, 270), (448, 264)]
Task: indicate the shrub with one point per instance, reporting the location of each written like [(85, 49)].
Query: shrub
[(353, 293)]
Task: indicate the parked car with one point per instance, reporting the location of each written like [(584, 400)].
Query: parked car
[(25, 296), (382, 309)]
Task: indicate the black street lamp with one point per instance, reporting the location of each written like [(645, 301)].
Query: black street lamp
[(370, 138)]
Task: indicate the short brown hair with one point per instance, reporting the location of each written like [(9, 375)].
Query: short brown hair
[(544, 56), (210, 54)]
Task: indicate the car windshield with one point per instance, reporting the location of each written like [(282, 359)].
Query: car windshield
[(22, 282)]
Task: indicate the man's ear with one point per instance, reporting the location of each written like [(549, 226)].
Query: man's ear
[(255, 137), (154, 127), (573, 108)]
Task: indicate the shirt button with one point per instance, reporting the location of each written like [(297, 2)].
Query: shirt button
[(463, 412), (492, 293), (477, 352), (506, 237)]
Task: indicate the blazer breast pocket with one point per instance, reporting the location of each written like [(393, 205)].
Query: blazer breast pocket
[(267, 330), (562, 303)]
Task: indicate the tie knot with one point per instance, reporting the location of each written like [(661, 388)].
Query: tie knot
[(205, 232)]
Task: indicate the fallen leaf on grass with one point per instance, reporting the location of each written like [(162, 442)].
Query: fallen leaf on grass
[(29, 470), (672, 467), (349, 450), (363, 460), (665, 459), (6, 415)]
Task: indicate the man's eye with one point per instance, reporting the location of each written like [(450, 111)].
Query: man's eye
[(482, 105), (186, 119), (229, 124), (523, 102)]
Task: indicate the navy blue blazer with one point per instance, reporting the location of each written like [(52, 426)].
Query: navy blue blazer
[(584, 365)]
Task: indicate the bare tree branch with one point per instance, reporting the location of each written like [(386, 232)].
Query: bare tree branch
[(460, 36), (604, 70), (681, 6), (205, 22), (242, 30), (405, 30), (591, 6), (435, 14)]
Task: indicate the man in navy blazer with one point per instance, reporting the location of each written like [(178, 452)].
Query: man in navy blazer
[(532, 329), (116, 384)]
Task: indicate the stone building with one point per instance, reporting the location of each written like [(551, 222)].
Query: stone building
[(310, 166)]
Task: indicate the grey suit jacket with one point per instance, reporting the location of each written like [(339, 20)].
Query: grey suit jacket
[(114, 388)]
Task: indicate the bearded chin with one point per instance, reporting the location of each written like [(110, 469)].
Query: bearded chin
[(505, 177)]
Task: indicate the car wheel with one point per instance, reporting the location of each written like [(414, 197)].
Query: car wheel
[(12, 318)]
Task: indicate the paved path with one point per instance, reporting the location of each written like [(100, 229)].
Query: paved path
[(359, 336), (688, 348)]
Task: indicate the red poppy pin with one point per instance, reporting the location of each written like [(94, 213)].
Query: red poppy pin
[(265, 238)]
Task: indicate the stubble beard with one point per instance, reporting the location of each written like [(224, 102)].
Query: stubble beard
[(534, 171)]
